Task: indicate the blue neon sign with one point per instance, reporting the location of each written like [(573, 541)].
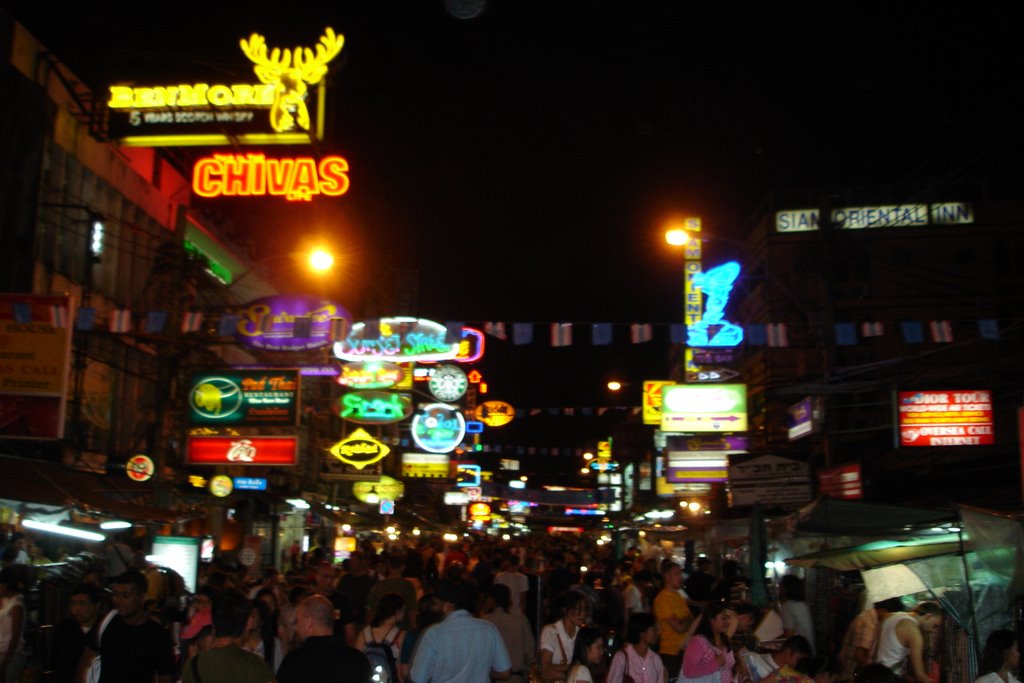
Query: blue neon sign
[(717, 285)]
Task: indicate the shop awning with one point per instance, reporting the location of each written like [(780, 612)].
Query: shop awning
[(852, 518), (879, 553), (51, 484)]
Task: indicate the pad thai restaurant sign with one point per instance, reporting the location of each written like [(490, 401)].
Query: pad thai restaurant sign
[(281, 101)]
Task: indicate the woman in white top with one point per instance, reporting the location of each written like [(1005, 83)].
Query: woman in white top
[(12, 627), (637, 658), (586, 655), (1000, 656), (558, 639)]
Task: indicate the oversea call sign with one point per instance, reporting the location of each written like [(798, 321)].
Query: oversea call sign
[(244, 398), (945, 418)]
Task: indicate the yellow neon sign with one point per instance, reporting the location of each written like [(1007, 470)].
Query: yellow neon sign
[(195, 95), (291, 73)]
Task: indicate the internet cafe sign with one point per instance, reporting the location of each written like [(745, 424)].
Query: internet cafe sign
[(244, 398), (278, 108), (863, 217)]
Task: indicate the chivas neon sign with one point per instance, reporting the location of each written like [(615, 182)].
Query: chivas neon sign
[(254, 175), (717, 285), (398, 339)]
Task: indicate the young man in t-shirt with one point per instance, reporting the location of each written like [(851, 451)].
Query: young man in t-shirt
[(226, 660), (134, 647)]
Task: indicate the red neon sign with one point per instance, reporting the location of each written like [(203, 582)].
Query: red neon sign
[(255, 175), (242, 450)]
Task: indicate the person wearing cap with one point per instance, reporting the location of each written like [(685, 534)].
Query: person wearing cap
[(461, 648)]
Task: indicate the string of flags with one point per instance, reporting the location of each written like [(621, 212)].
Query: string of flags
[(561, 334)]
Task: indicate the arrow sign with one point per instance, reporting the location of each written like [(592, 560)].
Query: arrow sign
[(711, 375)]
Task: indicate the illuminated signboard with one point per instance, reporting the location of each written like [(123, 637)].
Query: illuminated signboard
[(35, 370), (495, 413), (862, 217), (725, 443), (398, 339), (244, 398), (704, 408), (430, 465), (844, 482), (712, 329), (359, 449), (438, 428), (372, 492), (140, 468), (585, 512), (221, 486), (448, 383), (945, 418), (375, 407), (697, 466), (236, 450), (276, 110), (801, 419), (471, 348), (479, 510), (270, 323), (250, 483), (255, 175), (467, 475), (370, 374), (651, 400), (456, 498)]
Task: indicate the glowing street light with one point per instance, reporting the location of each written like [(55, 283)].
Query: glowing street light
[(321, 260), (677, 237), (614, 385)]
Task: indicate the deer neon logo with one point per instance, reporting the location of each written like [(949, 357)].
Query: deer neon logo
[(291, 72)]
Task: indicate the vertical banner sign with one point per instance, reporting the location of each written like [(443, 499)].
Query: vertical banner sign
[(693, 301), (35, 362)]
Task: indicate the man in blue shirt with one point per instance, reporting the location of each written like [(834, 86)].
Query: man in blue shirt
[(460, 649)]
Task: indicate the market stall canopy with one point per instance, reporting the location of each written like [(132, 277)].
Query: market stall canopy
[(878, 553), (853, 518), (48, 484)]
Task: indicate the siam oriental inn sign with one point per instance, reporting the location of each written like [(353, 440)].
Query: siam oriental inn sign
[(256, 175), (284, 106), (397, 340), (292, 322), (867, 217)]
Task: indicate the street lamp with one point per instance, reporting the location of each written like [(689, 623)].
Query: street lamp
[(321, 260)]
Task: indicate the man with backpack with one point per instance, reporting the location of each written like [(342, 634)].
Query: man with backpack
[(323, 657)]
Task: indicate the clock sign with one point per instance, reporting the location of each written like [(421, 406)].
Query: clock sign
[(448, 383)]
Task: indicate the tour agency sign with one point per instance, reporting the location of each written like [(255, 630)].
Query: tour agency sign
[(283, 104)]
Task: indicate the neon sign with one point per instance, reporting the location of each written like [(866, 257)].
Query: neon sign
[(203, 113), (375, 407), (359, 449), (269, 323), (716, 284), (495, 413), (370, 375), (438, 428), (400, 339), (255, 175)]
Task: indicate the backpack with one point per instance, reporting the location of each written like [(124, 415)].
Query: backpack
[(383, 666)]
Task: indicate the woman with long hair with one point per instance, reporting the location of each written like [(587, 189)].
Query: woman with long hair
[(708, 655), (558, 638), (999, 658), (638, 659), (587, 654), (263, 640)]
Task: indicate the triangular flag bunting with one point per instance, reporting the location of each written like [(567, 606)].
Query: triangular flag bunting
[(522, 333), (496, 330), (777, 335), (941, 331), (121, 321), (913, 333), (989, 329), (228, 324), (601, 334), (872, 330), (846, 334), (155, 322), (191, 321)]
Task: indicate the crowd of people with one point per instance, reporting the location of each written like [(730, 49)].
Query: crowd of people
[(543, 609)]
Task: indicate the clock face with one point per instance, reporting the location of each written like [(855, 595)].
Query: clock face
[(448, 383)]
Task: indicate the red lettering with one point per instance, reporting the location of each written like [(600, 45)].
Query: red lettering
[(333, 176)]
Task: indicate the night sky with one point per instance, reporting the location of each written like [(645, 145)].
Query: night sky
[(525, 160)]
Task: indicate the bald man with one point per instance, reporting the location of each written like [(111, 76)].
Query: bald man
[(322, 657)]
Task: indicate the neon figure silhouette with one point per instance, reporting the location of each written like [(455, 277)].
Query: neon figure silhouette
[(716, 284)]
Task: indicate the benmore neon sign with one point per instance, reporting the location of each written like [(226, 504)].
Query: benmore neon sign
[(255, 175)]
